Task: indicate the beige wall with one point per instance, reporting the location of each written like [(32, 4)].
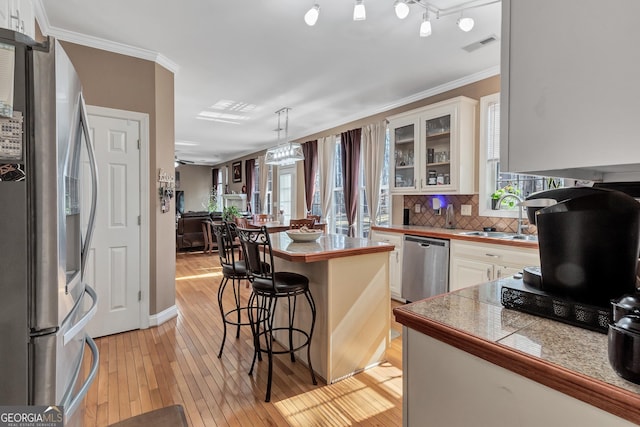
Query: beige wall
[(126, 83), (196, 183)]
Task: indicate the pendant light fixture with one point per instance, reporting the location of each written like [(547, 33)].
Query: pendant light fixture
[(287, 152)]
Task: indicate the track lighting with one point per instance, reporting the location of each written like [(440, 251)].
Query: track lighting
[(465, 23), (311, 17), (402, 8), (359, 12), (425, 27)]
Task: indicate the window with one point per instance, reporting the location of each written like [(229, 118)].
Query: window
[(316, 208), (340, 224), (494, 183), (363, 219), (255, 200), (384, 214), (287, 191)]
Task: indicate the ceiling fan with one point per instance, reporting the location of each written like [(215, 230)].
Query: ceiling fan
[(177, 162)]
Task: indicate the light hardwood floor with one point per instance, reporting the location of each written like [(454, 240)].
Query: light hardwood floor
[(177, 363)]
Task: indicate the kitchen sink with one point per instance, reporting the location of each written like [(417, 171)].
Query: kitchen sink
[(494, 234), (527, 237), (501, 235)]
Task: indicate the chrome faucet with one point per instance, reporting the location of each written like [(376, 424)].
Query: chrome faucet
[(520, 204)]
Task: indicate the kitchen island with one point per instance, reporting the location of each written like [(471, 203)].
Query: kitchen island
[(349, 281), (469, 361)]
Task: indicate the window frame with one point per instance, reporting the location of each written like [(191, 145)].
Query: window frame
[(540, 183), (484, 202)]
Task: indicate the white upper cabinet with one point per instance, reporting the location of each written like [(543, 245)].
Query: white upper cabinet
[(433, 148), (570, 92), (18, 15)]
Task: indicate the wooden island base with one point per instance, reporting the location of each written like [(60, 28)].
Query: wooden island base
[(351, 290)]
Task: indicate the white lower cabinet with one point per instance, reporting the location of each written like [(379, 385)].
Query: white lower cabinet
[(472, 263), (446, 386), (395, 259)]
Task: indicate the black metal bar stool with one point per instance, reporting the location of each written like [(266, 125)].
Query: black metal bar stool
[(268, 286), (235, 271)]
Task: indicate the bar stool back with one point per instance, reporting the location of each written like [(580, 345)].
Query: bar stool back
[(268, 287), (235, 271)]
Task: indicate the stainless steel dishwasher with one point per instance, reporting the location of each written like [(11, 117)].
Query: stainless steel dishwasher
[(425, 267)]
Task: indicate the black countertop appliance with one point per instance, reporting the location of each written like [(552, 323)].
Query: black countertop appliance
[(589, 242)]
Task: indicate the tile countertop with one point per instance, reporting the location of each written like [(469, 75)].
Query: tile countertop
[(448, 233), (326, 247), (566, 358)]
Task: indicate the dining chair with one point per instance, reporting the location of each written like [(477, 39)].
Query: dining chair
[(241, 222), (269, 286), (302, 222), (207, 232), (314, 217), (261, 217)]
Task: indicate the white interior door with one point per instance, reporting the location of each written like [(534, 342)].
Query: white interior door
[(113, 268), (287, 190)]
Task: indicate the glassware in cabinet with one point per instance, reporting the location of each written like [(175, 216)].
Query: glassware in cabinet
[(437, 142), (403, 166)]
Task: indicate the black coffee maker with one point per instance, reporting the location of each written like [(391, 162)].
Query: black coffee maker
[(589, 241)]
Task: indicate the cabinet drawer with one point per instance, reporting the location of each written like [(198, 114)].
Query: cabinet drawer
[(495, 254), (391, 238)]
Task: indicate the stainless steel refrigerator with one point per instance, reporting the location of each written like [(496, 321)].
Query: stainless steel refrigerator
[(45, 303)]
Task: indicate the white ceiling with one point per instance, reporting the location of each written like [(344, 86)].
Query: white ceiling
[(261, 53)]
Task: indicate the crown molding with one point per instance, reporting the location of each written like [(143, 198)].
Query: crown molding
[(454, 84), (99, 43)]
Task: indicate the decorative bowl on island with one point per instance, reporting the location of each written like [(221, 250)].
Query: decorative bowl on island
[(302, 235)]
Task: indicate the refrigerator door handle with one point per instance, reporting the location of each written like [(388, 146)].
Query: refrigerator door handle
[(71, 403), (84, 121), (78, 327)]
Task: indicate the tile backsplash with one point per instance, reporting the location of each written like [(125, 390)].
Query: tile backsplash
[(428, 217)]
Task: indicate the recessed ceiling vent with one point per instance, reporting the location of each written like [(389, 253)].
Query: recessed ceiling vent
[(481, 43)]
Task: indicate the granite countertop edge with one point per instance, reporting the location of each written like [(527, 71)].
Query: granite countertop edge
[(448, 233), (427, 317)]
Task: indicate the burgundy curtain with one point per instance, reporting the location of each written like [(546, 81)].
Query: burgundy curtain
[(249, 169), (350, 150), (310, 150), (214, 178)]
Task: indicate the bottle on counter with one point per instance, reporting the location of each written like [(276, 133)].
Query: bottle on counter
[(450, 219)]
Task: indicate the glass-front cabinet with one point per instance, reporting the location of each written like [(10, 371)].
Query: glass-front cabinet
[(434, 148)]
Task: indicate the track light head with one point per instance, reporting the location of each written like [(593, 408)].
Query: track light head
[(311, 17), (402, 8), (465, 23), (359, 12), (425, 27)]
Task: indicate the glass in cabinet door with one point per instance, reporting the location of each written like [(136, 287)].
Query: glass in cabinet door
[(438, 151), (404, 145)]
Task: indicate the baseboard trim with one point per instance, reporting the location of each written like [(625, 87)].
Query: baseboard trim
[(163, 316)]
